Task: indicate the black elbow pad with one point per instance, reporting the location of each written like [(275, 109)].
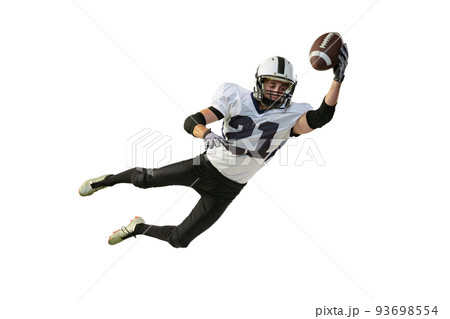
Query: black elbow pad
[(192, 121), (321, 116)]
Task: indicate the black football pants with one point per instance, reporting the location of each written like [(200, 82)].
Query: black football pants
[(216, 191)]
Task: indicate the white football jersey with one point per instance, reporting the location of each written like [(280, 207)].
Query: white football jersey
[(254, 135)]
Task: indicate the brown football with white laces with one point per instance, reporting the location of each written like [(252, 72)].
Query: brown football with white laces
[(325, 50)]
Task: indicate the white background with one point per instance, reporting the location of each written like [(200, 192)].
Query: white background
[(77, 79)]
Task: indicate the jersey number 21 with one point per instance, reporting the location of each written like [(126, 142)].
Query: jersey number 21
[(269, 129)]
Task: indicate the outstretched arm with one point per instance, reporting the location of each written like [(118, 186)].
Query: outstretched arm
[(318, 118)]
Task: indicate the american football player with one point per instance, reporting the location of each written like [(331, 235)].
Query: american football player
[(255, 125)]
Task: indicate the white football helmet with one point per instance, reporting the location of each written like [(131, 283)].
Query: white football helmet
[(279, 69)]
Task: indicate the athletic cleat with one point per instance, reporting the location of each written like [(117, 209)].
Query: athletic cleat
[(125, 232), (90, 186)]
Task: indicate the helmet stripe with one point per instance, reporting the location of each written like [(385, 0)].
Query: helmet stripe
[(281, 65)]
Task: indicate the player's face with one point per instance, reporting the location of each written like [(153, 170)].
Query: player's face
[(274, 89)]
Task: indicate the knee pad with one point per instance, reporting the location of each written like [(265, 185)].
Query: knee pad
[(176, 241), (177, 244), (141, 177)]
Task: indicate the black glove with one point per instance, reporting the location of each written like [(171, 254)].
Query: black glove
[(339, 69), (213, 140)]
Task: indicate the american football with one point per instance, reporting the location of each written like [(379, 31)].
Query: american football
[(324, 51)]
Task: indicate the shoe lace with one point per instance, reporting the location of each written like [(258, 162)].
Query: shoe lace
[(99, 184), (127, 233)]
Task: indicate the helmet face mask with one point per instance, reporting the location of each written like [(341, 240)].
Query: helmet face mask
[(278, 69)]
